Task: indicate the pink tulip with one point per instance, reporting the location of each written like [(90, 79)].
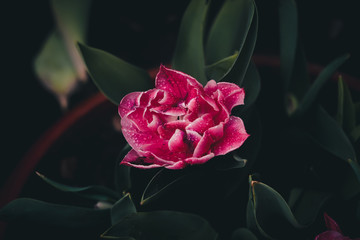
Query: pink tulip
[(180, 122), (334, 232)]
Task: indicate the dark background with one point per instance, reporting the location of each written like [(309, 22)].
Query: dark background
[(143, 33)]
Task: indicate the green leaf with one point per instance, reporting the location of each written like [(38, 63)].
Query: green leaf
[(121, 209), (329, 135), (269, 214), (97, 193), (306, 204), (299, 83), (230, 163), (251, 84), (54, 68), (217, 70), (288, 27), (346, 115), (351, 184), (356, 168), (349, 122), (72, 18), (161, 225), (229, 31), (311, 94), (243, 234), (122, 172), (189, 52), (54, 215), (72, 21), (340, 106), (238, 70), (113, 76), (161, 182), (355, 133)]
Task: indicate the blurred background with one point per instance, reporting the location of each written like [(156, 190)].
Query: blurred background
[(144, 34)]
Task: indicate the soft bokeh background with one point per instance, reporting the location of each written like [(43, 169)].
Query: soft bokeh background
[(143, 33)]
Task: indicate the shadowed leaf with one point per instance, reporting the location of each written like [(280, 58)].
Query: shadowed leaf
[(121, 209), (330, 136), (189, 52), (243, 234), (97, 193), (161, 225), (161, 181), (48, 214), (238, 70), (112, 75), (288, 28), (312, 93), (122, 172), (269, 214)]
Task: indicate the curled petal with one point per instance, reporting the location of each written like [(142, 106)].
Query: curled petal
[(210, 87), (133, 159), (200, 160), (176, 165), (169, 110), (331, 235), (167, 99), (234, 95), (154, 123), (129, 103), (203, 147), (234, 136), (168, 129), (174, 82), (201, 124), (331, 224), (193, 138), (177, 141), (136, 139)]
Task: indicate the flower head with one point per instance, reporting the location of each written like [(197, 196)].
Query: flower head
[(180, 122)]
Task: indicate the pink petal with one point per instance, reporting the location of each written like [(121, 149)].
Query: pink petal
[(129, 103), (234, 136), (169, 110), (331, 224), (168, 129), (136, 139), (154, 123), (201, 124), (331, 235), (203, 147), (167, 99), (177, 142), (233, 94), (210, 87), (137, 118), (174, 82), (216, 132), (176, 165), (200, 160), (133, 159), (193, 138), (147, 97)]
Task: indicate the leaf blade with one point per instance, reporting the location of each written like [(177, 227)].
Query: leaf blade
[(98, 193), (311, 94), (238, 70), (162, 225), (113, 76), (189, 54)]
